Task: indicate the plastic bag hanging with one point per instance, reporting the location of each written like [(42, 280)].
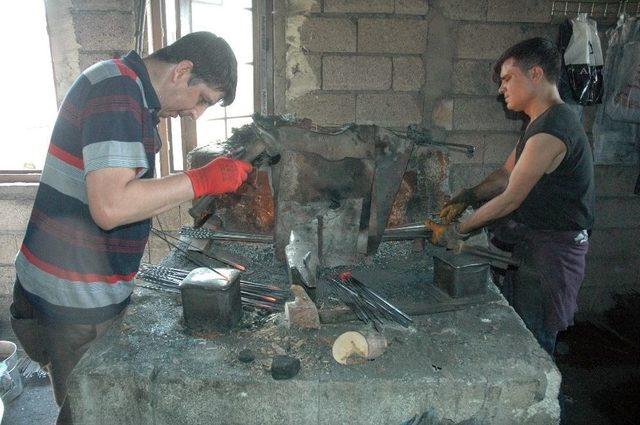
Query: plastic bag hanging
[(623, 101), (583, 59)]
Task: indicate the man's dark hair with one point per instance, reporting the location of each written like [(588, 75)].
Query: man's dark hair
[(529, 53), (212, 58)]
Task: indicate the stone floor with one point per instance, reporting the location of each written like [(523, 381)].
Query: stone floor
[(601, 380)]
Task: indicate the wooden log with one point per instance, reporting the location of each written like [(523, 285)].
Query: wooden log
[(355, 347)]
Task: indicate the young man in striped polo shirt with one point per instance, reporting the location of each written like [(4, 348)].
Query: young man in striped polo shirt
[(91, 217)]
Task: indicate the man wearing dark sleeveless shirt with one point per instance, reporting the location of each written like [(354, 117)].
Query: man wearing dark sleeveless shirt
[(541, 199)]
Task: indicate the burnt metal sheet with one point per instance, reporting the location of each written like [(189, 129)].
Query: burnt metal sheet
[(338, 192), (392, 156), (340, 240)]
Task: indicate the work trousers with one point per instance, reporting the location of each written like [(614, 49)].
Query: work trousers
[(544, 289), (57, 347)]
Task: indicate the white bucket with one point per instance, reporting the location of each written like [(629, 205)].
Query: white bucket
[(11, 384)]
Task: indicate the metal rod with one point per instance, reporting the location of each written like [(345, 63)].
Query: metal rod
[(382, 300)]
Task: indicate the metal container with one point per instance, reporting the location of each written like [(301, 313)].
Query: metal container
[(11, 383), (461, 275), (211, 299)]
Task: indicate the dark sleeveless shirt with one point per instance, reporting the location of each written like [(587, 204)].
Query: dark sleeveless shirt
[(565, 198)]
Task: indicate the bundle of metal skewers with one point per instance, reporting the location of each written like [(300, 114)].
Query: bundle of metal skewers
[(268, 297), (365, 303)]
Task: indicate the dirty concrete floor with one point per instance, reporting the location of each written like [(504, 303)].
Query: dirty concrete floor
[(35, 405), (601, 380)]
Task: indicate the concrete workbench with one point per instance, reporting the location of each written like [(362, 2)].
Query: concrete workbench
[(479, 364)]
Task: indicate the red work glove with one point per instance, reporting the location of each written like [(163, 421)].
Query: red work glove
[(222, 175)]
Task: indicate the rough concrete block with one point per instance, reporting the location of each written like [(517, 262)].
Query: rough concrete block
[(459, 156), (474, 78), (389, 109), (497, 148), (615, 180), (620, 244), (303, 73), (103, 5), (328, 35), (519, 11), (412, 7), (7, 279), (489, 41), (15, 214), (462, 10), (356, 73), (611, 272), (464, 175), (392, 35), (408, 73), (301, 312), (612, 212), (358, 6), (442, 114), (95, 30), (325, 108), (8, 248), (484, 113), (303, 6)]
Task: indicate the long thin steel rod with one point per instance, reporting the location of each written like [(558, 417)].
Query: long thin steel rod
[(213, 257), (184, 252)]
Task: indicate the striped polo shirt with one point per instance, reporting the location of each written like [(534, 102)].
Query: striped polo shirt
[(71, 270)]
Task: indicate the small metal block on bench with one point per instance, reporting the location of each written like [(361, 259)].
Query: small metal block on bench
[(460, 275), (211, 299)]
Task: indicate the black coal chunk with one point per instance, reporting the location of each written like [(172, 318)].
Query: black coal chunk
[(246, 356), (284, 367)]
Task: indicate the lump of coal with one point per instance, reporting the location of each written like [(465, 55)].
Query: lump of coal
[(246, 356), (284, 367)]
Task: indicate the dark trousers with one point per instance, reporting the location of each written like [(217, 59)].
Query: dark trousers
[(544, 289), (57, 347)]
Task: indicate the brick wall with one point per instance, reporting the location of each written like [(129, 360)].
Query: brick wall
[(355, 61)]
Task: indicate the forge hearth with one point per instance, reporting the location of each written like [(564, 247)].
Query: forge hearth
[(476, 361), (321, 210)]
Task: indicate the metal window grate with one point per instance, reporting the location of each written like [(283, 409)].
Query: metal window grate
[(596, 8)]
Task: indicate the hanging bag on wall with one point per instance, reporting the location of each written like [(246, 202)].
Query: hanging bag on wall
[(623, 104), (583, 59)]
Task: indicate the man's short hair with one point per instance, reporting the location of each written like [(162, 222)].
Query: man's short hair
[(212, 58), (529, 53)]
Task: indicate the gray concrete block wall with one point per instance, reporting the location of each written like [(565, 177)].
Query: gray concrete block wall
[(372, 61), (15, 209), (84, 31)]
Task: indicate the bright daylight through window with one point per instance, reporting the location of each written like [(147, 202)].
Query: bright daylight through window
[(28, 106), (233, 21)]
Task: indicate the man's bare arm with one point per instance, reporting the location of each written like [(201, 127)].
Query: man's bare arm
[(496, 182), (541, 155), (117, 197)]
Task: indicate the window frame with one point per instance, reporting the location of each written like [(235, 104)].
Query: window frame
[(156, 29)]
